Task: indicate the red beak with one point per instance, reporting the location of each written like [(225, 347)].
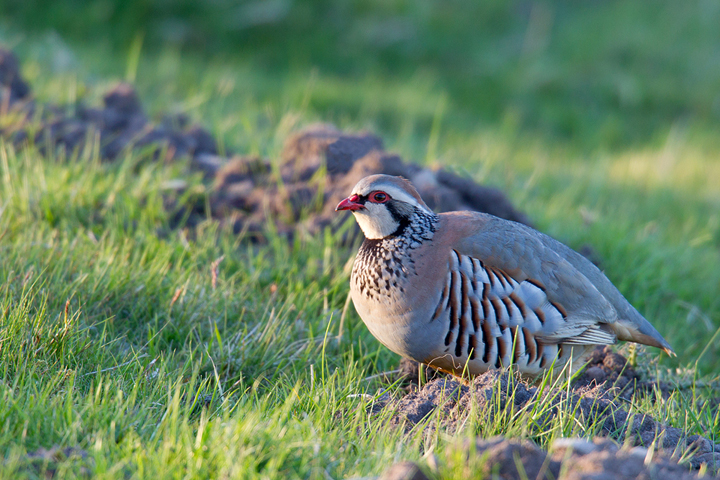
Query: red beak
[(351, 203)]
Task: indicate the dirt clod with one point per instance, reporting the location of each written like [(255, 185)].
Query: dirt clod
[(563, 447), (12, 86), (569, 459), (596, 375), (404, 471), (47, 461), (615, 377), (306, 151), (607, 462), (480, 198), (512, 459)]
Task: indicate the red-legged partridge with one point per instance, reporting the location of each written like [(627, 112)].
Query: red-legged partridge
[(464, 292)]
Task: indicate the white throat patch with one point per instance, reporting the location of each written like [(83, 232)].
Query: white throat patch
[(376, 221)]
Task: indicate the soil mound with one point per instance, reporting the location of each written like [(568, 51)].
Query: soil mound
[(317, 168), (568, 459), (607, 373), (120, 124), (601, 403)]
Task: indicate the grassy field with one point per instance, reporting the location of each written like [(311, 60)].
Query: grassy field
[(600, 121)]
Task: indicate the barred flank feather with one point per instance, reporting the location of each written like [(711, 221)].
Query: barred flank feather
[(493, 320)]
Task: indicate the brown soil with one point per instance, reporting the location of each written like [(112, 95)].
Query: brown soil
[(568, 459), (121, 123), (607, 373), (615, 377), (404, 471), (600, 394), (318, 168)]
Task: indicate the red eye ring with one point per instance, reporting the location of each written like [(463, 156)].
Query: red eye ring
[(378, 197)]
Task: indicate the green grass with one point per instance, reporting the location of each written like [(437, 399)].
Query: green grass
[(113, 334)]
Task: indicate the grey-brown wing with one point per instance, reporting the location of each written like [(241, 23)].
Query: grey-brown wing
[(569, 279), (521, 252)]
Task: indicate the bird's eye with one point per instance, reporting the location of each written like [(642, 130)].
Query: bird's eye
[(379, 197)]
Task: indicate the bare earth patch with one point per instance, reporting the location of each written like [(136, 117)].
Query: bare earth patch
[(651, 449), (569, 459), (49, 463)]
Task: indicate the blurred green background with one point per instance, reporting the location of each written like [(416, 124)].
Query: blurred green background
[(604, 74)]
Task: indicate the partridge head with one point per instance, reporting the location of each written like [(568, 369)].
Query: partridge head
[(464, 292)]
